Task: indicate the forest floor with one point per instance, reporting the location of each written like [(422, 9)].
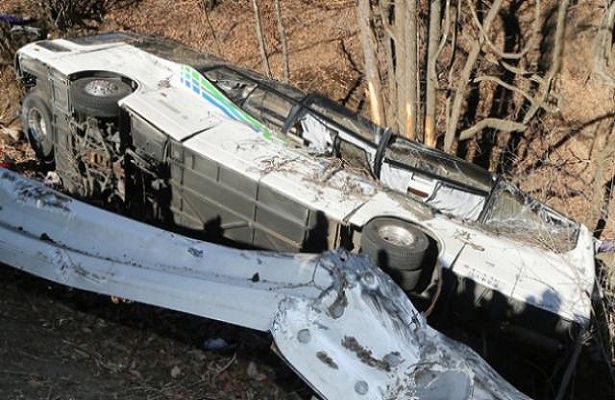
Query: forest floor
[(57, 343)]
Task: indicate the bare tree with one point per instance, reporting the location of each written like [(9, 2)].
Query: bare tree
[(282, 33), (408, 78), (207, 6), (261, 39), (435, 9), (372, 72), (603, 45), (277, 9), (451, 70)]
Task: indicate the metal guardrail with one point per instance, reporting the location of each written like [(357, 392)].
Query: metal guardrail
[(340, 322)]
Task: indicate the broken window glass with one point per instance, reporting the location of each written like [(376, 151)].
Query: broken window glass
[(348, 121), (238, 83), (439, 165), (268, 107), (354, 155), (233, 85), (518, 215), (314, 133)]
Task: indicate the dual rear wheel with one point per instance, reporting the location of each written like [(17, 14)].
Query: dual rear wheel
[(398, 247)]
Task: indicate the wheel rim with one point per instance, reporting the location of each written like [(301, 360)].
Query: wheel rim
[(37, 125), (396, 235), (102, 88)]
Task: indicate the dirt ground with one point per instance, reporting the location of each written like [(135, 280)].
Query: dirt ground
[(57, 343)]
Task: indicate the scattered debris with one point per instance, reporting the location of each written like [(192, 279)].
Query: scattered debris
[(253, 372), (217, 344), (175, 372)]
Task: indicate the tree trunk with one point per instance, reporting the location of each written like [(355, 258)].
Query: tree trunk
[(462, 82), (261, 38), (408, 91), (372, 73), (432, 79), (282, 32)]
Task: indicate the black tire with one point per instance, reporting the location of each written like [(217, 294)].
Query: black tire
[(37, 125), (397, 247), (98, 97), (407, 280)]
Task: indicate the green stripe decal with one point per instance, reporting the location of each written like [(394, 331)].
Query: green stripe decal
[(192, 79)]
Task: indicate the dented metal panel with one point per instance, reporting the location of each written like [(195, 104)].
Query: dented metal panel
[(363, 339), (341, 323)]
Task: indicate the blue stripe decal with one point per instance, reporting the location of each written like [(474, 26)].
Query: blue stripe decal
[(192, 79)]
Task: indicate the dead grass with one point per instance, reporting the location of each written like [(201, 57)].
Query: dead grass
[(559, 161)]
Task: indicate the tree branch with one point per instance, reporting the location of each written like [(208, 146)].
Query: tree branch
[(205, 9), (447, 27), (556, 60), (462, 83), (494, 123), (492, 46), (515, 89), (282, 32), (260, 37)]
